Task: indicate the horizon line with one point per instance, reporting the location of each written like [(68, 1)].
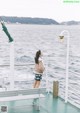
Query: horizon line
[(40, 17)]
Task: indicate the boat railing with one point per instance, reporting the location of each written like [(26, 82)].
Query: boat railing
[(23, 74), (73, 85)]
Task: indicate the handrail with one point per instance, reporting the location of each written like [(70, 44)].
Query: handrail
[(61, 79), (17, 64)]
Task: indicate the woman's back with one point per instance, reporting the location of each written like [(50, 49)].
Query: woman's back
[(39, 67)]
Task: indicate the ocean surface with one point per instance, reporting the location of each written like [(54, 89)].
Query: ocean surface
[(30, 38)]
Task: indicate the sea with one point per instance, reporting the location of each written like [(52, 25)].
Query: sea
[(30, 38)]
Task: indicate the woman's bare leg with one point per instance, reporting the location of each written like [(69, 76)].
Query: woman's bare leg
[(37, 84)]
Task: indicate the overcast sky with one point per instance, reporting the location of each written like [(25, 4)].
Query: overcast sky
[(54, 9)]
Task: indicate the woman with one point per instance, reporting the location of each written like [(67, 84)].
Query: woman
[(39, 69)]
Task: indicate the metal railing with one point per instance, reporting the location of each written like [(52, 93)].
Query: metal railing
[(23, 77), (73, 89)]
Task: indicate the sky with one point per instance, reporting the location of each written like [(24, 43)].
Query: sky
[(53, 9)]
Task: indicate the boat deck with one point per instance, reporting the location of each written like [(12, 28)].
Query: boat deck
[(47, 105)]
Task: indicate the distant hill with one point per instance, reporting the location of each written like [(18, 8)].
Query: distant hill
[(40, 21), (70, 23), (29, 20)]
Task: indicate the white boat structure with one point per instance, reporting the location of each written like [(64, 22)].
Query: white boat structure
[(17, 99)]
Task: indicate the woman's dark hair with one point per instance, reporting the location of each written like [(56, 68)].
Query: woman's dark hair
[(38, 53)]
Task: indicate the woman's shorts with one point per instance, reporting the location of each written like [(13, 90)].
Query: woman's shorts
[(38, 77)]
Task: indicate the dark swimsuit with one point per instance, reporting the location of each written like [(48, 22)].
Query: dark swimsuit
[(38, 77)]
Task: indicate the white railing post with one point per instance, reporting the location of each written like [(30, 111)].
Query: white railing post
[(47, 81), (11, 54), (67, 63), (12, 65)]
